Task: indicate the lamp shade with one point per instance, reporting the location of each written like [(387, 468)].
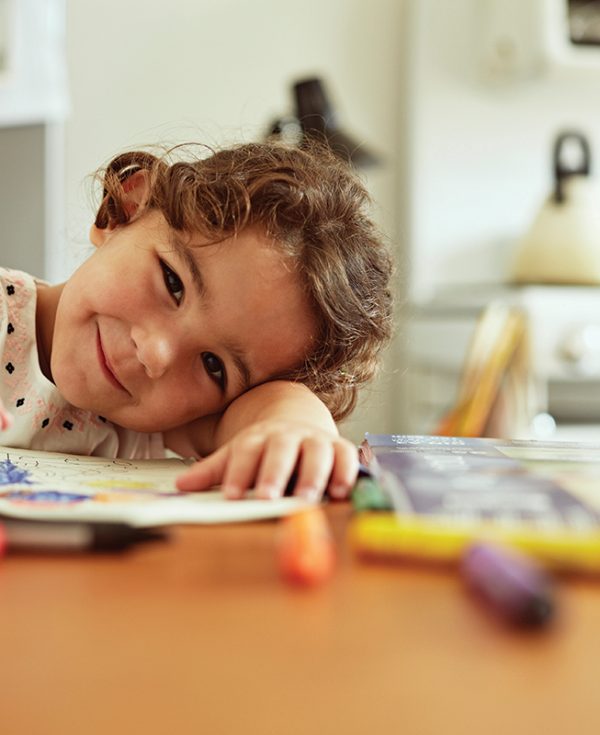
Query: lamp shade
[(318, 120), (314, 118)]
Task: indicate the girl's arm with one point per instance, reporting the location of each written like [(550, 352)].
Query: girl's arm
[(262, 438)]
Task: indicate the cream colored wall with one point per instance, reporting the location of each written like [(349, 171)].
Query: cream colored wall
[(219, 71)]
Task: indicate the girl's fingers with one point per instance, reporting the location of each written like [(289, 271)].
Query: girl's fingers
[(345, 469), (316, 463), (242, 467), (278, 463), (205, 473), (268, 462)]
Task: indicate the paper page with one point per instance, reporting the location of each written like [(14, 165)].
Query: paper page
[(49, 485)]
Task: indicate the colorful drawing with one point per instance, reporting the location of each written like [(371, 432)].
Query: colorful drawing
[(46, 498), (10, 473), (53, 486)]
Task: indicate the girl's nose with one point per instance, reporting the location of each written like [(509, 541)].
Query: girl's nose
[(155, 351)]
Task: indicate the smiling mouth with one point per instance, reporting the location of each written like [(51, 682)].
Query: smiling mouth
[(106, 368)]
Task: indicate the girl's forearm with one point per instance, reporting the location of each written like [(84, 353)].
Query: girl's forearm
[(277, 401)]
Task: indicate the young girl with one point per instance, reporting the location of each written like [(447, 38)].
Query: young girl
[(231, 309)]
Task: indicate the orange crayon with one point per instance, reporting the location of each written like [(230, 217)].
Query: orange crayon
[(306, 549)]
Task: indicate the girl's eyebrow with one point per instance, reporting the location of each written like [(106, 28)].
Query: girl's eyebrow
[(238, 355), (192, 266)]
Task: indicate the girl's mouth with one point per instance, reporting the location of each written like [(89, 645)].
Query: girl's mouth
[(106, 367)]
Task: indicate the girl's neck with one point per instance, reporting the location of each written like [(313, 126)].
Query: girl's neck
[(45, 316)]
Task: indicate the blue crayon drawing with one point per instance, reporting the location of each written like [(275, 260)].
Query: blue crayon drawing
[(10, 474), (57, 497)]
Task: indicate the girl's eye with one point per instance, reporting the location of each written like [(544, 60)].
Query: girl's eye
[(172, 282), (214, 367)]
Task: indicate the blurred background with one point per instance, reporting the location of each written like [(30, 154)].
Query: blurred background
[(462, 101)]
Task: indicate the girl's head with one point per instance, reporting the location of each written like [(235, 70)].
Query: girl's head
[(312, 207)]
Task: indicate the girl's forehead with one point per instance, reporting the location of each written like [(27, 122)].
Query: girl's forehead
[(195, 237), (253, 238)]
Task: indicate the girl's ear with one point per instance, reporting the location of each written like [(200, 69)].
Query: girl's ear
[(136, 190), (133, 197)]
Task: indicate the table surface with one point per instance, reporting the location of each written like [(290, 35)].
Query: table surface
[(200, 634)]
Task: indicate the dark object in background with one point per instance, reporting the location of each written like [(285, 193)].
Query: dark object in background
[(314, 118), (563, 170), (584, 22)]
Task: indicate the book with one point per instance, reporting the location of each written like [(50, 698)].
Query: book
[(447, 492), (54, 486), (497, 394)]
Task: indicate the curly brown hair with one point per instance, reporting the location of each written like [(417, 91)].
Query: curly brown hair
[(315, 208)]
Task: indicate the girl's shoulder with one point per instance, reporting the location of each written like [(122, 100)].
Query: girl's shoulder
[(17, 279), (17, 293)]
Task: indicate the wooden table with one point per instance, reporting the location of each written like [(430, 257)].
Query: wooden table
[(200, 635)]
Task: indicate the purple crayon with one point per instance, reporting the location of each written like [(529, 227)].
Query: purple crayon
[(513, 585)]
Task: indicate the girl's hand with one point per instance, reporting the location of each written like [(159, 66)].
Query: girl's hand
[(267, 453)]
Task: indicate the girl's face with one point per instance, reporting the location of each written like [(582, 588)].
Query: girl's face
[(152, 337)]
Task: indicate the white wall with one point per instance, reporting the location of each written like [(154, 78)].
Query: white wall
[(219, 71)]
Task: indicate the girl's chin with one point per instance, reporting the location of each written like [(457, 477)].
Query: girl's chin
[(132, 423)]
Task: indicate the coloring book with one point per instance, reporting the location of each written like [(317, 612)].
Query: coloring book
[(547, 485), (49, 485), (447, 492)]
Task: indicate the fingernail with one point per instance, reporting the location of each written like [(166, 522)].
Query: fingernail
[(231, 492), (268, 492), (338, 491), (312, 494)]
